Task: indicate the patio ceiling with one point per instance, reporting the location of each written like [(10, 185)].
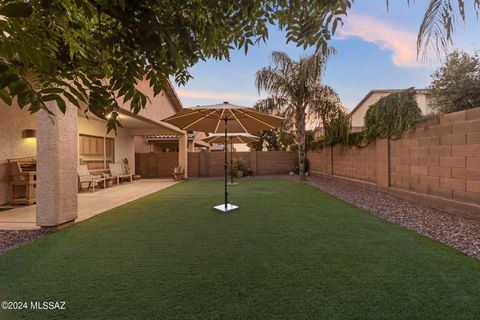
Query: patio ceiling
[(139, 125)]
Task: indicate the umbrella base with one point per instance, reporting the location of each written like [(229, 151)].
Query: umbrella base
[(232, 183), (228, 208)]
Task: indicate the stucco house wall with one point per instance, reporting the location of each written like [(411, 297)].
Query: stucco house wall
[(12, 121), (124, 141), (165, 104)]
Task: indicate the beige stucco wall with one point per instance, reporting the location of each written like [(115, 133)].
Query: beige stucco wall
[(423, 103), (12, 121), (359, 114), (124, 141), (162, 108), (141, 146)]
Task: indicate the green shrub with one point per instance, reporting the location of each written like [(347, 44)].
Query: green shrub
[(391, 115), (337, 130)]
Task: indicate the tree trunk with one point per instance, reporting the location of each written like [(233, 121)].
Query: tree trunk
[(301, 143)]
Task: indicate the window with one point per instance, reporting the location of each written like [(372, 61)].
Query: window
[(96, 152)]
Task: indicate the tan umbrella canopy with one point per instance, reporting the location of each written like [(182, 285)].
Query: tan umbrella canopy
[(224, 117), (232, 138), (219, 117)]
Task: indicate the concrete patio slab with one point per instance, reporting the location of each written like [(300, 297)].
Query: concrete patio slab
[(89, 203)]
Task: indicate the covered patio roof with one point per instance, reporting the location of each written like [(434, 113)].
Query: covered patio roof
[(192, 136), (139, 125)]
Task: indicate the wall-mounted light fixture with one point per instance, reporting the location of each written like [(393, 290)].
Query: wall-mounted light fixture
[(29, 133)]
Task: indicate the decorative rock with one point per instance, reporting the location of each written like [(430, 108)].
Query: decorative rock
[(460, 233), (13, 239)]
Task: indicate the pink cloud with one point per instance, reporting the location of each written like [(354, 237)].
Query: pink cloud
[(402, 43)]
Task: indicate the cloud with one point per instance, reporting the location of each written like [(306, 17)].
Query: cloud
[(220, 96), (402, 43)]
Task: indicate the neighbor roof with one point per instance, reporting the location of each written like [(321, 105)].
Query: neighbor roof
[(369, 94), (160, 137)]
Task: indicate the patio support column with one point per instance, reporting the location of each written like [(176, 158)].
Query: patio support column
[(191, 146), (57, 160), (183, 152)]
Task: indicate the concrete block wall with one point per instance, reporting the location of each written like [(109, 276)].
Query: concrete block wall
[(194, 164), (321, 161), (440, 159), (276, 162), (210, 164), (355, 163)]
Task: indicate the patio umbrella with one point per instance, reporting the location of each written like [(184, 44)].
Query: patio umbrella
[(233, 138), (224, 117)]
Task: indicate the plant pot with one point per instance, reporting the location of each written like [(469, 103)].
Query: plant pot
[(177, 177)]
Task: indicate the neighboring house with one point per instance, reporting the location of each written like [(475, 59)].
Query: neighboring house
[(358, 113), (67, 140), (220, 147), (169, 143)]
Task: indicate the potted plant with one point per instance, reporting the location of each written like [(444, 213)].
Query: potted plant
[(239, 167), (126, 166), (178, 173)]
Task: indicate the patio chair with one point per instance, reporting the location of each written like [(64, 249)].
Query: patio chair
[(118, 170), (109, 177), (85, 176)]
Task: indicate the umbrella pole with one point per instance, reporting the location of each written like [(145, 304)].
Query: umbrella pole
[(231, 161), (226, 166)]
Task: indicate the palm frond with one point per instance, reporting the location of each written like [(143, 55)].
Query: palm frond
[(274, 80), (438, 25), (274, 105), (281, 60)]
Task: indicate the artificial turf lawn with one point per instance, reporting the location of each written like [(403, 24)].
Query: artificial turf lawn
[(290, 252)]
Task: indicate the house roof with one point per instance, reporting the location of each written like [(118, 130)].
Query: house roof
[(162, 137), (372, 92), (172, 94)]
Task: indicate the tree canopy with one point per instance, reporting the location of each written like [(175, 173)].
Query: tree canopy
[(456, 85), (95, 51)]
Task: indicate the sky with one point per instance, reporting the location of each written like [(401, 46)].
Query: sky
[(376, 49)]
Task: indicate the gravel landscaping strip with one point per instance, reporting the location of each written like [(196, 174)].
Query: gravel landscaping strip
[(460, 233), (13, 239)]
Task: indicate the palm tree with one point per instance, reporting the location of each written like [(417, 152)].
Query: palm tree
[(296, 91), (280, 138), (439, 22)]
